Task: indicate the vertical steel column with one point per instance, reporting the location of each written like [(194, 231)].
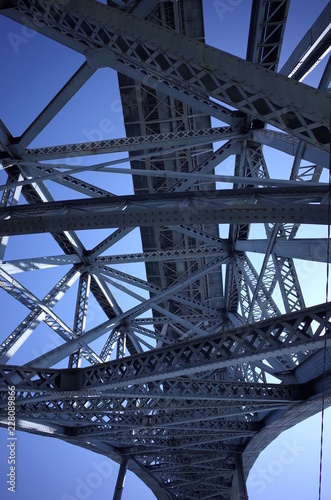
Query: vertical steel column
[(241, 479), (120, 479)]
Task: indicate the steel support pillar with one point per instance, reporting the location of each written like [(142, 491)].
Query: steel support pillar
[(241, 479), (121, 479)]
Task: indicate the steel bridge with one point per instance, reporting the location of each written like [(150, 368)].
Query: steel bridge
[(213, 352)]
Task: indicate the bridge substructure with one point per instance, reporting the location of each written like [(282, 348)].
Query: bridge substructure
[(189, 346)]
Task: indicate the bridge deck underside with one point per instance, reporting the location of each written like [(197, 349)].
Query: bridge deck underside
[(181, 384)]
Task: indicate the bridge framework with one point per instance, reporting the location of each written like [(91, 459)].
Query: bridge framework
[(177, 385)]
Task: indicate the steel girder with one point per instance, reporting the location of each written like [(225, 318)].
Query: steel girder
[(266, 34), (149, 416), (103, 35), (270, 338), (312, 47), (80, 316), (299, 205), (171, 140), (299, 248), (44, 397)]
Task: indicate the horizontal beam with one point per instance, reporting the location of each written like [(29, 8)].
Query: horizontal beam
[(161, 320), (186, 178), (298, 205), (182, 428), (163, 255), (272, 338), (290, 145), (166, 141), (188, 389), (174, 407), (315, 249), (35, 263)]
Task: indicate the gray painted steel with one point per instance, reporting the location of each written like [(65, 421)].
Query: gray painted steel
[(176, 388)]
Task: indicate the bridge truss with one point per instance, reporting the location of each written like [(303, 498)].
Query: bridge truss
[(183, 358)]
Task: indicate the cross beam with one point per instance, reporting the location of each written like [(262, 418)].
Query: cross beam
[(248, 206), (268, 339)]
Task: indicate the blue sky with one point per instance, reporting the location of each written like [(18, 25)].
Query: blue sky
[(36, 68)]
